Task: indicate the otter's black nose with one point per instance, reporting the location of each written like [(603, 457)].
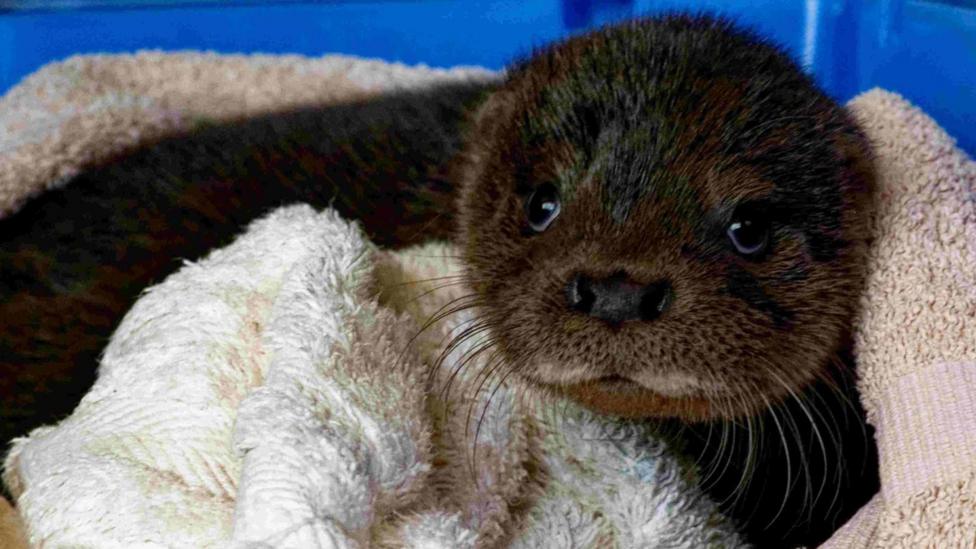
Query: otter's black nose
[(617, 298)]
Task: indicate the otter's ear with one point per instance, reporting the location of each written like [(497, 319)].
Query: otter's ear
[(489, 125), (860, 175), (858, 154), (493, 114)]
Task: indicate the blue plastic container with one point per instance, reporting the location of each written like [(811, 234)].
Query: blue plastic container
[(925, 50)]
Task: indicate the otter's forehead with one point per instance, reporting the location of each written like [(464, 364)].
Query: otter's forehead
[(689, 124)]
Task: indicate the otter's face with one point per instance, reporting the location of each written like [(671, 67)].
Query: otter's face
[(665, 218)]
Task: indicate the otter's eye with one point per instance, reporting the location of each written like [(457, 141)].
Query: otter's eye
[(542, 207), (749, 233)]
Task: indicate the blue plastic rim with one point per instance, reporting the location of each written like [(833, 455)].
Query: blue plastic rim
[(925, 50)]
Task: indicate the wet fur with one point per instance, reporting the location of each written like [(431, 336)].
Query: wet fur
[(653, 131)]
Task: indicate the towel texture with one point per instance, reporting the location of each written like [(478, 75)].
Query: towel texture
[(273, 393), (87, 109), (916, 339), (74, 116), (915, 342)]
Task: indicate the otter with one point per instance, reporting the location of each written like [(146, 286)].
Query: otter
[(661, 219)]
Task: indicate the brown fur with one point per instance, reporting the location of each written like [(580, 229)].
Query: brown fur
[(728, 356)]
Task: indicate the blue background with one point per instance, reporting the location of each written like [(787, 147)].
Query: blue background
[(925, 50)]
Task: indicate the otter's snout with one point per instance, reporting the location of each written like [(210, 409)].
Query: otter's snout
[(617, 298)]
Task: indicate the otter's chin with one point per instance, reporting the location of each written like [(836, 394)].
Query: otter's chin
[(617, 396)]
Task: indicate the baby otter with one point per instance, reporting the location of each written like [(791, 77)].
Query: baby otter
[(664, 218)]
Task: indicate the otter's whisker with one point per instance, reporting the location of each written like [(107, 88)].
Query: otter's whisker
[(834, 437), (425, 280), (816, 433), (430, 256), (453, 307), (749, 469), (465, 358), (433, 289), (488, 401), (804, 460), (842, 393), (436, 316), (726, 443), (495, 361), (786, 454), (836, 432)]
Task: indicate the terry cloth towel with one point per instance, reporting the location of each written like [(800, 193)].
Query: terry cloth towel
[(274, 394), (78, 112), (915, 343), (916, 338)]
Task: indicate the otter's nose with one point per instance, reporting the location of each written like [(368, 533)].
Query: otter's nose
[(617, 298)]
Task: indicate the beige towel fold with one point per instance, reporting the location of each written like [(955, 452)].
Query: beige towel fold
[(916, 339), (86, 109)]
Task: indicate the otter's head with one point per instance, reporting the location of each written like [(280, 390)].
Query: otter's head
[(666, 218)]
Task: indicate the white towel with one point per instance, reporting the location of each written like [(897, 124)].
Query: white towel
[(275, 394)]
